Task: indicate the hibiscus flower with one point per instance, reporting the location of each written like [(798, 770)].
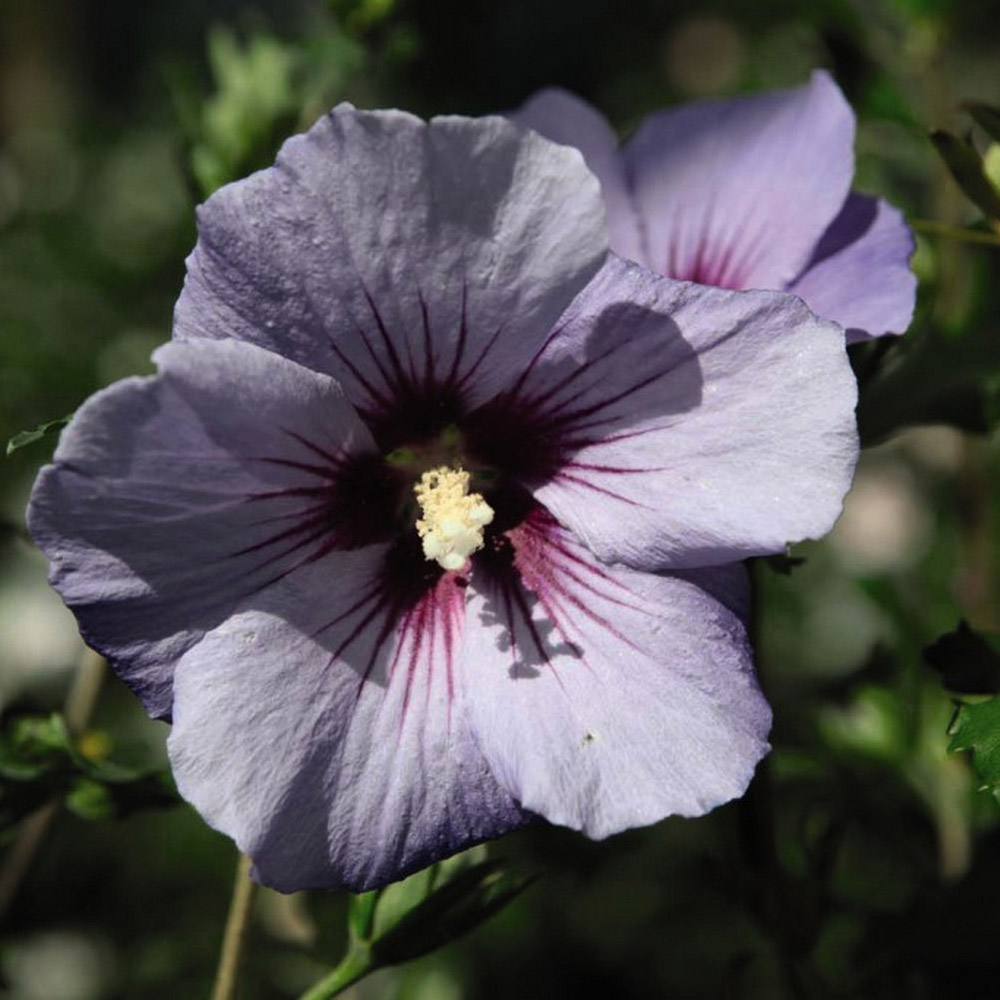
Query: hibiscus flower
[(751, 192), (425, 527)]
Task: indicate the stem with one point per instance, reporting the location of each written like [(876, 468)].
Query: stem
[(758, 836), (235, 937), (83, 694), (80, 704), (955, 232), (18, 859), (356, 965)]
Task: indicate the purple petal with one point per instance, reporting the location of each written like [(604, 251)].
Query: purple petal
[(172, 497), (728, 584), (699, 426), (393, 253), (859, 274), (605, 698), (736, 193), (564, 118), (337, 755)]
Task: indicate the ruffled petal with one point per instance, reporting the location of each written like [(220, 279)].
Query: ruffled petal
[(859, 274), (398, 256), (172, 497), (605, 698), (570, 121), (337, 755), (697, 426), (737, 193)]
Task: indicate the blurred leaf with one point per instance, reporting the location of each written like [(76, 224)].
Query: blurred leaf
[(930, 377), (872, 725), (32, 745), (966, 167), (991, 165), (968, 660), (924, 8), (884, 99), (985, 116), (97, 800), (253, 93), (976, 727), (29, 437), (34, 752), (39, 761), (89, 800), (265, 89), (359, 16), (991, 400)]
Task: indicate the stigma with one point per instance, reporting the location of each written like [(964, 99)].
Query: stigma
[(451, 528)]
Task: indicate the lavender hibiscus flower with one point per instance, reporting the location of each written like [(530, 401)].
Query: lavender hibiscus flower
[(752, 192), (425, 528)]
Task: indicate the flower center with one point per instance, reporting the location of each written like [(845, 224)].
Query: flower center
[(451, 528)]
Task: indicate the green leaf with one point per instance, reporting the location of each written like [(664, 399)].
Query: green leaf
[(398, 899), (966, 167), (967, 660), (986, 116), (410, 918), (976, 728), (451, 910), (23, 438)]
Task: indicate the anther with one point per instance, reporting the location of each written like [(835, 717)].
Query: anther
[(451, 528)]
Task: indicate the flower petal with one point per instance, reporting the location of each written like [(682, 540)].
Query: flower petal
[(393, 253), (729, 584), (860, 274), (700, 426), (338, 755), (736, 193), (171, 497), (605, 698), (570, 121)]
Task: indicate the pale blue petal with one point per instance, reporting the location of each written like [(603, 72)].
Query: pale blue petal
[(172, 497), (392, 253)]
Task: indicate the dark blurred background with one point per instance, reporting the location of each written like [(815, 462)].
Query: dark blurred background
[(864, 863)]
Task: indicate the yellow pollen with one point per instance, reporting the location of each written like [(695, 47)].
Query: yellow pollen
[(451, 528)]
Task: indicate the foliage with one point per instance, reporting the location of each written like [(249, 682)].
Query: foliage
[(977, 728), (39, 762), (418, 915), (968, 660), (24, 438), (265, 89)]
